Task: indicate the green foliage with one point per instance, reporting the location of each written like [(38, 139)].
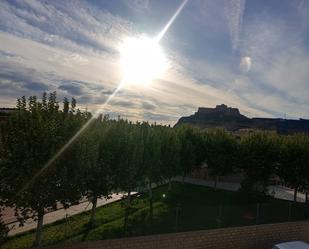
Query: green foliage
[(170, 149), (259, 160), (191, 153), (294, 159), (32, 135), (221, 152)]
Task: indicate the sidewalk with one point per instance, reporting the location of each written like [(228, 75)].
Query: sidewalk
[(231, 186), (284, 193), (55, 215), (279, 192)]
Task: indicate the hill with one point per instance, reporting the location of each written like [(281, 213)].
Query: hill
[(231, 119)]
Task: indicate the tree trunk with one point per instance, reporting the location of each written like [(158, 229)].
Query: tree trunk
[(295, 193), (150, 201), (39, 229), (183, 178), (216, 182), (93, 211), (126, 212), (170, 184)]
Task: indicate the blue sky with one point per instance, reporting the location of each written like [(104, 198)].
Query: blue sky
[(250, 54)]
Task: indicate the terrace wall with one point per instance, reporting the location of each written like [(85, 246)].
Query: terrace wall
[(248, 237)]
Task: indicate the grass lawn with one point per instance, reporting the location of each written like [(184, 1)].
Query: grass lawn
[(184, 208)]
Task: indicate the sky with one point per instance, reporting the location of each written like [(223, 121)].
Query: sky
[(249, 54)]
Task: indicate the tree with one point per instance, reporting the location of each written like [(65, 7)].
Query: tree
[(295, 161), (259, 160), (3, 228), (31, 137), (97, 173), (221, 153), (170, 157), (151, 158), (124, 150), (191, 151)]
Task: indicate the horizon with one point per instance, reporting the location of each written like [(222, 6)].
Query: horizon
[(252, 55), (192, 114)]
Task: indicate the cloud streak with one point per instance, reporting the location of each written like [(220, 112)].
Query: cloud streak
[(234, 11)]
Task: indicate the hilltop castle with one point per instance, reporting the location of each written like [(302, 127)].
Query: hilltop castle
[(231, 119)]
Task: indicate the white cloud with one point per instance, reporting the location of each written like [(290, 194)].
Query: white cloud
[(138, 5), (221, 17), (234, 11), (290, 73), (245, 64), (72, 25)]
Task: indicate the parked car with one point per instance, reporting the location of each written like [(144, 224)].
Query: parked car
[(291, 245)]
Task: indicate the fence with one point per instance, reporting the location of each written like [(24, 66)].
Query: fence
[(182, 218)]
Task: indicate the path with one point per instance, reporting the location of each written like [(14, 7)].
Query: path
[(232, 186), (279, 192), (54, 215)]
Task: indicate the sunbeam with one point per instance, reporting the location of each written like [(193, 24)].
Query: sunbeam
[(67, 145), (170, 22)]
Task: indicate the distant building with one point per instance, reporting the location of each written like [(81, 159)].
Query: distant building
[(219, 109), (288, 126)]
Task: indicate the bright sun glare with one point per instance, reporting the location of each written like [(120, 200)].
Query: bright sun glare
[(142, 60)]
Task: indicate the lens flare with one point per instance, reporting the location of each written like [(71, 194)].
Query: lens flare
[(142, 60)]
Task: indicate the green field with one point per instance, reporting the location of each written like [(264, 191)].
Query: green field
[(184, 208)]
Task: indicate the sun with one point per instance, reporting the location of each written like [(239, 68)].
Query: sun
[(142, 60)]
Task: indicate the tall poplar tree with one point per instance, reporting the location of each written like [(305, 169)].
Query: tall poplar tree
[(32, 135)]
